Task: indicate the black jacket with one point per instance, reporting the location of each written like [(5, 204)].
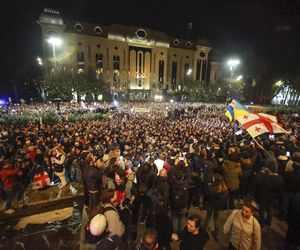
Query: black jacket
[(93, 177), (268, 187), (193, 242)]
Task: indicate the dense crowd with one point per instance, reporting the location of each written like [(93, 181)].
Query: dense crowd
[(150, 162)]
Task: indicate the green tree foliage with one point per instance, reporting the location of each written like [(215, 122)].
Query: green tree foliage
[(63, 82)]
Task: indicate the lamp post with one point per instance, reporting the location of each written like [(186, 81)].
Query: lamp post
[(54, 41), (233, 63)]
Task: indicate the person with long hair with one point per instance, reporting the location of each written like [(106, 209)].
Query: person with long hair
[(216, 199)]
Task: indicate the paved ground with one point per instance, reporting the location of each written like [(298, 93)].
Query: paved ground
[(273, 237)]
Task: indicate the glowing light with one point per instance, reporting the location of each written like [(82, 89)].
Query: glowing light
[(39, 60), (240, 77), (116, 103), (279, 83), (2, 102), (54, 41), (233, 62), (171, 101), (189, 72), (158, 97)]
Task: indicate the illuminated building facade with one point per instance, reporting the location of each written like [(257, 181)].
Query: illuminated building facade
[(127, 57)]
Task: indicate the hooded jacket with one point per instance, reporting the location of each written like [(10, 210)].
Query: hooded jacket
[(231, 172)]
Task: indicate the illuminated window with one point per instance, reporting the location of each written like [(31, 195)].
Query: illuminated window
[(80, 60)]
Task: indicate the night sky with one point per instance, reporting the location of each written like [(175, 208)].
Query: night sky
[(267, 28)]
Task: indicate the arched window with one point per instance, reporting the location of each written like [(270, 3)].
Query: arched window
[(116, 62), (99, 62), (80, 60)]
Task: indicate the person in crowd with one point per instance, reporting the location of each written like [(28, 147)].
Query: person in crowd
[(114, 224), (149, 240), (232, 172), (244, 229), (162, 224), (292, 239), (93, 177), (11, 186), (179, 186), (268, 187), (247, 172), (145, 175), (216, 199), (193, 236), (58, 159), (123, 187)]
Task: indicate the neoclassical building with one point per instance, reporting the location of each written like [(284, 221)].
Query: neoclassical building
[(127, 57)]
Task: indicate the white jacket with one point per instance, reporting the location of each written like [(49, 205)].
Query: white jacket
[(245, 233)]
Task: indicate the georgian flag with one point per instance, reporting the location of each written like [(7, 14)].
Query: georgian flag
[(257, 124)]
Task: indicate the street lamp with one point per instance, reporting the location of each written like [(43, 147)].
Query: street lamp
[(54, 41), (232, 63)]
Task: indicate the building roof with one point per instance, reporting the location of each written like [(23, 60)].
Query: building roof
[(131, 33)]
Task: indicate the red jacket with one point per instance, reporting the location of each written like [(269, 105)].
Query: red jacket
[(9, 177)]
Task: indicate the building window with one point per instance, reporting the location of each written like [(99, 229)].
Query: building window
[(116, 48), (116, 78), (116, 62), (202, 54), (186, 70), (98, 45), (161, 71), (161, 53), (174, 72), (203, 74), (141, 34), (78, 27), (198, 70), (174, 55), (79, 44), (99, 62), (140, 60), (176, 42), (98, 30), (80, 60), (188, 44)]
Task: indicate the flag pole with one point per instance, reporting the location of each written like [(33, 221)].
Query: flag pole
[(256, 141), (234, 135)]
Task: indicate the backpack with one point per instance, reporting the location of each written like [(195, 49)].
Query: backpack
[(180, 195), (93, 239)]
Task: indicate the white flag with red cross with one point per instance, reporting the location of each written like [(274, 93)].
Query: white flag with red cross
[(257, 124)]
